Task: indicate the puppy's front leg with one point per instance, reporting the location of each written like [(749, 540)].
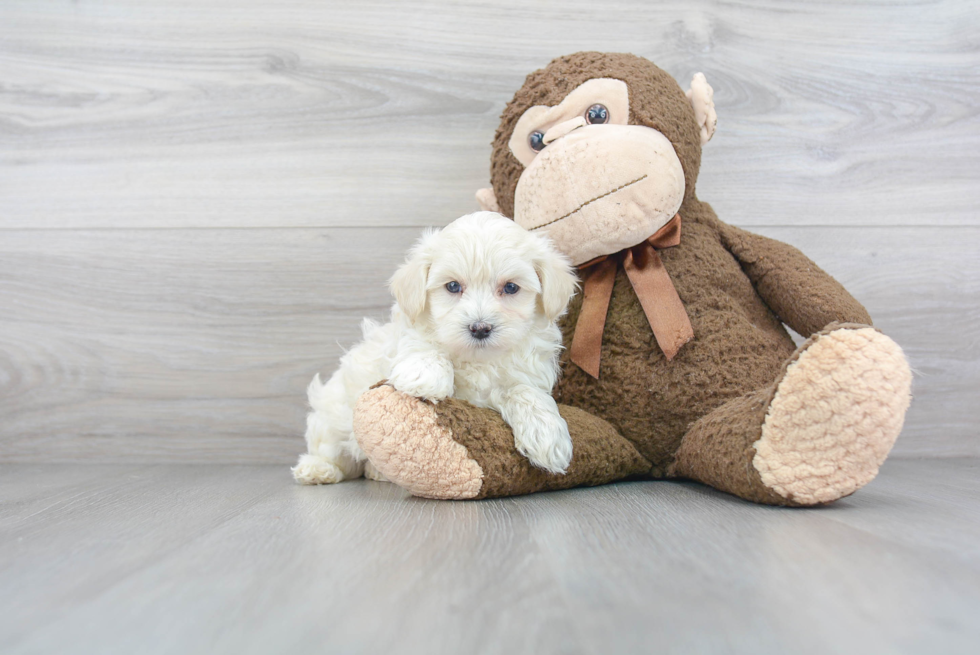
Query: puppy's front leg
[(424, 374), (540, 433)]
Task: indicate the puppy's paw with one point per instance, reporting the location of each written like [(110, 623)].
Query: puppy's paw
[(315, 469), (545, 441), (423, 377)]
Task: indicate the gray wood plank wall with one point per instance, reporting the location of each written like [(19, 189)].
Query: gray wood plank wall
[(198, 201)]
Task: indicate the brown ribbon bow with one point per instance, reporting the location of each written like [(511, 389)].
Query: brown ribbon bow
[(658, 297)]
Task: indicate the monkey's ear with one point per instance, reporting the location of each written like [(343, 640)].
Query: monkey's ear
[(488, 200), (702, 98), (409, 283)]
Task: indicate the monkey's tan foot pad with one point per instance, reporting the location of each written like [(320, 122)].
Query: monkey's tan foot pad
[(834, 416), (456, 450), (402, 438)]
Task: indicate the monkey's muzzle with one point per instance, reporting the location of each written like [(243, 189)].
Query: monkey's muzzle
[(601, 188)]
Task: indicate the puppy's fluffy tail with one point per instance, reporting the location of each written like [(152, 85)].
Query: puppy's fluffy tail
[(314, 392)]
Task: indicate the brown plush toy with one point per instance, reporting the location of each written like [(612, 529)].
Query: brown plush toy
[(678, 364)]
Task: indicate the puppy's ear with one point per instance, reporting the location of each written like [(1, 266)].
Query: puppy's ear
[(558, 282), (408, 284)]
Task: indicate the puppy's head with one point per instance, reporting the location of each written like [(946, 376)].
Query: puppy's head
[(482, 284)]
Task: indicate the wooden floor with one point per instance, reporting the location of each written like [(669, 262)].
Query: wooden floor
[(205, 559), (199, 201)]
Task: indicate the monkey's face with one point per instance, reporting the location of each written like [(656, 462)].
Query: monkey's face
[(599, 151), (592, 182)]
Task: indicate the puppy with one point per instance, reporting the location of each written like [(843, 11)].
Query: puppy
[(474, 318)]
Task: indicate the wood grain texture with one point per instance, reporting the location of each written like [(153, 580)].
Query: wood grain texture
[(303, 113), (199, 201), (197, 345), (197, 559)]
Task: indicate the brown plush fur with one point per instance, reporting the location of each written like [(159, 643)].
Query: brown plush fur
[(600, 454), (718, 449), (729, 433), (700, 415), (739, 344), (732, 283)]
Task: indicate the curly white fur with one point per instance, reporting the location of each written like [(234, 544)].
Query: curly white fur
[(429, 350)]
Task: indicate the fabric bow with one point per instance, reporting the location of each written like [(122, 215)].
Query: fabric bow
[(658, 297)]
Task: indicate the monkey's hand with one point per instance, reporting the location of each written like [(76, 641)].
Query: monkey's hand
[(423, 375)]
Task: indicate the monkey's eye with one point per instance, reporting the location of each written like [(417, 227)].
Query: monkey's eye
[(596, 115), (454, 287), (536, 140), (510, 288)]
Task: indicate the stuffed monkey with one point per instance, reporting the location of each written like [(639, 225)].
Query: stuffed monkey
[(677, 361)]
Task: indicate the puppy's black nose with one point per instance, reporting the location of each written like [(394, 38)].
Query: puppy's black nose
[(481, 330)]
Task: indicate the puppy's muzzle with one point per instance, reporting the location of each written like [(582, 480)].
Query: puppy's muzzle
[(481, 330)]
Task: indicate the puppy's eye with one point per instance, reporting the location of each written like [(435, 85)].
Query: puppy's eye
[(536, 140), (596, 115), (454, 287), (511, 288)]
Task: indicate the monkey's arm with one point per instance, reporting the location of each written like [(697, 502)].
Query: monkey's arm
[(800, 293)]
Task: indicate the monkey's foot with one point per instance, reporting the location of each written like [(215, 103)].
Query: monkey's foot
[(454, 450), (402, 438), (834, 416), (818, 433)]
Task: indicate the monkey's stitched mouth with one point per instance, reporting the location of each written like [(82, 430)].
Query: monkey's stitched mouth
[(589, 202)]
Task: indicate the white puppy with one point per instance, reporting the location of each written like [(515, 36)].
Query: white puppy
[(474, 318)]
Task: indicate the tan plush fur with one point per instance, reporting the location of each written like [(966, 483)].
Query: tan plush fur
[(656, 101), (828, 427), (403, 438), (822, 442), (455, 450)]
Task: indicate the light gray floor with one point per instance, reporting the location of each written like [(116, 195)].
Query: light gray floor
[(188, 559)]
